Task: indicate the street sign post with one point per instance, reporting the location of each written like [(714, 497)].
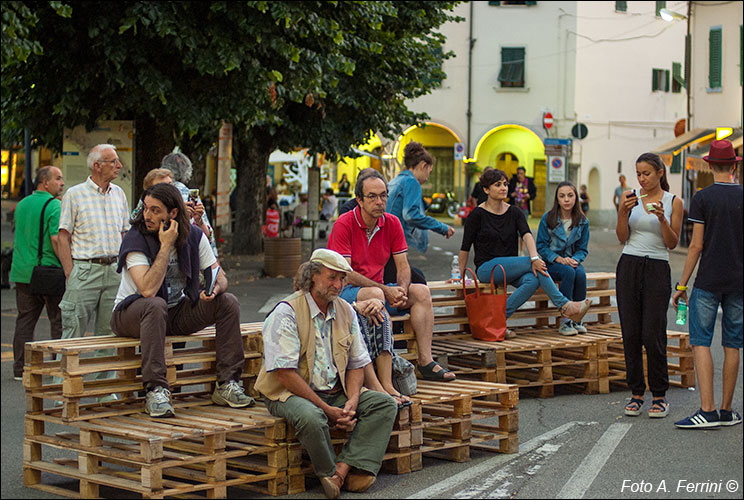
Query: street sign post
[(459, 149), (547, 120), (556, 168)]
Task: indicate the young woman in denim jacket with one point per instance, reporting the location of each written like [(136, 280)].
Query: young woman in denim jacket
[(563, 241), (405, 199)]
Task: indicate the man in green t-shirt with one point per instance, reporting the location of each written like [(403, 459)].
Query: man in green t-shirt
[(49, 185)]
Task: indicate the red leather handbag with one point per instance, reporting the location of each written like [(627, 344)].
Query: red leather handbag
[(486, 311)]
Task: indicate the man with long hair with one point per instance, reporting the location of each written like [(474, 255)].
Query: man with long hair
[(160, 260)]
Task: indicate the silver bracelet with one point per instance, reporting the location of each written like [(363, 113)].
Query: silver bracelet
[(536, 257)]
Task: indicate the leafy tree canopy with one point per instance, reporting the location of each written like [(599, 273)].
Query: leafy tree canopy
[(315, 74)]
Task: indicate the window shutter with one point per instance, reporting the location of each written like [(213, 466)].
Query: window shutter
[(494, 4), (676, 166), (512, 67), (659, 6), (688, 40), (678, 81), (666, 80), (714, 68), (653, 80), (530, 3), (621, 6)]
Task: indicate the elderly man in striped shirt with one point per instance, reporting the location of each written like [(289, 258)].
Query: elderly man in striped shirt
[(93, 220)]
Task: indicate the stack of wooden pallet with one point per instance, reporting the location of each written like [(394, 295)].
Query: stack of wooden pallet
[(538, 359), (445, 421)]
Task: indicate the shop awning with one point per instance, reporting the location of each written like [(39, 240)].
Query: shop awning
[(695, 156), (676, 145)]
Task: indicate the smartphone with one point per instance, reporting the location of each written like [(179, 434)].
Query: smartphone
[(634, 196), (193, 194), (166, 225)]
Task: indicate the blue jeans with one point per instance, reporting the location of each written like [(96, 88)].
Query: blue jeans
[(573, 280), (703, 312), (519, 274)]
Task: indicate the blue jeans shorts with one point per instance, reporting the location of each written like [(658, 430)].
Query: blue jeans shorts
[(350, 292), (702, 315)]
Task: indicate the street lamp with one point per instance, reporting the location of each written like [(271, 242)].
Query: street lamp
[(671, 16)]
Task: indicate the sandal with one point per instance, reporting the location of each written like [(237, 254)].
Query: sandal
[(633, 409), (576, 318), (427, 371), (661, 406), (402, 403)]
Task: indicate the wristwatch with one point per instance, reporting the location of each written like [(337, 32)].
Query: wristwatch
[(680, 288)]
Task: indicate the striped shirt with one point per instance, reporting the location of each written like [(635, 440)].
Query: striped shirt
[(95, 219), (282, 342)]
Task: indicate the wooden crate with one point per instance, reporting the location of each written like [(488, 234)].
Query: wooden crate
[(191, 368), (203, 450)]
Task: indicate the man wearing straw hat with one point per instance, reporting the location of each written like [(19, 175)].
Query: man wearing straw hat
[(312, 375), (716, 212)]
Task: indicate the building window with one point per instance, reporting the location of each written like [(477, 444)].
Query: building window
[(660, 80), (678, 81), (512, 67), (659, 6), (621, 6), (715, 37)]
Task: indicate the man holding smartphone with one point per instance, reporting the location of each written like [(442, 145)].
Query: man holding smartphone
[(161, 258)]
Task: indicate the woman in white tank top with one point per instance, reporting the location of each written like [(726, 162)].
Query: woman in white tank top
[(649, 221)]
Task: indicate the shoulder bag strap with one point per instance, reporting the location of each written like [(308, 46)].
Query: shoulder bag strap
[(41, 228)]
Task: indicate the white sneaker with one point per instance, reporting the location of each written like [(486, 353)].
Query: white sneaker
[(158, 403), (231, 394), (579, 327), (566, 329)]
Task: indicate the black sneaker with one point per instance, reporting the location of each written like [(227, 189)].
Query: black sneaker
[(700, 420), (730, 417)]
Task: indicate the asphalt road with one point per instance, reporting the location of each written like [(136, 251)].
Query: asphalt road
[(571, 445)]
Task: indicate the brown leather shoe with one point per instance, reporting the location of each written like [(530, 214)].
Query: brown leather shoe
[(359, 481), (332, 485)]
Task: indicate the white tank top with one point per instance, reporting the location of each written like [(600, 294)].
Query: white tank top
[(645, 230)]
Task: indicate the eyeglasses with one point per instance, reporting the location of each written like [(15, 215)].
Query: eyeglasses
[(115, 160), (373, 196)]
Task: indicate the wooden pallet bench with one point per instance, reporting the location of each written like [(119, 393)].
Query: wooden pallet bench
[(191, 367), (203, 450), (445, 421)]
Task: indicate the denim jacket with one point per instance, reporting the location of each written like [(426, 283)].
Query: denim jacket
[(554, 243), (405, 202)]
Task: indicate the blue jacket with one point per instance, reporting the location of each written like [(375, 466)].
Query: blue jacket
[(405, 202), (554, 243)]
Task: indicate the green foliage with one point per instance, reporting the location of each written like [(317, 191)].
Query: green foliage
[(317, 74)]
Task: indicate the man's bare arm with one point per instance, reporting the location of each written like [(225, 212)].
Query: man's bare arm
[(64, 251)]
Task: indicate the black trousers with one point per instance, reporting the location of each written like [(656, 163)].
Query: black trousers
[(29, 309), (643, 288)]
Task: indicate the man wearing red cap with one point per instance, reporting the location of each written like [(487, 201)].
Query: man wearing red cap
[(716, 212)]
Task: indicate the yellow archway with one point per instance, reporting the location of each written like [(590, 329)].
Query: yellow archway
[(439, 140), (352, 166), (521, 143)]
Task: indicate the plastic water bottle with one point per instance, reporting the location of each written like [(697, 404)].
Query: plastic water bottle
[(455, 270), (681, 312)]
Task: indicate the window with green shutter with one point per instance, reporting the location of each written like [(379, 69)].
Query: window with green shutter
[(659, 6), (512, 67), (660, 80), (715, 37), (621, 6), (678, 81)]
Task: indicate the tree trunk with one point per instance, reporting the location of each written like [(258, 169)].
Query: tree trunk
[(152, 142), (251, 151)]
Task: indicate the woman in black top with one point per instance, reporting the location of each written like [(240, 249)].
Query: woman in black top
[(494, 228), (344, 185)]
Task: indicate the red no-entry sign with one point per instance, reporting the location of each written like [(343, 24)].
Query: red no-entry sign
[(547, 120)]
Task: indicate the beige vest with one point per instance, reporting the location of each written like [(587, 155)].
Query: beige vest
[(268, 382)]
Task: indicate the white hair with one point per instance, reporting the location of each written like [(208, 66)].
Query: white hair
[(179, 164), (96, 153)]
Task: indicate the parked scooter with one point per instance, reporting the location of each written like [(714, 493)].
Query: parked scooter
[(444, 203)]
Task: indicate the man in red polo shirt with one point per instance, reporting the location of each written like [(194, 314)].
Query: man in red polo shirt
[(367, 237)]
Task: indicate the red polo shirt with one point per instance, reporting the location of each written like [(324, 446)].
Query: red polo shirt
[(368, 255)]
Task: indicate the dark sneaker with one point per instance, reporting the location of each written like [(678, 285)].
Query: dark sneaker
[(231, 394), (730, 417), (158, 403), (700, 420)]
